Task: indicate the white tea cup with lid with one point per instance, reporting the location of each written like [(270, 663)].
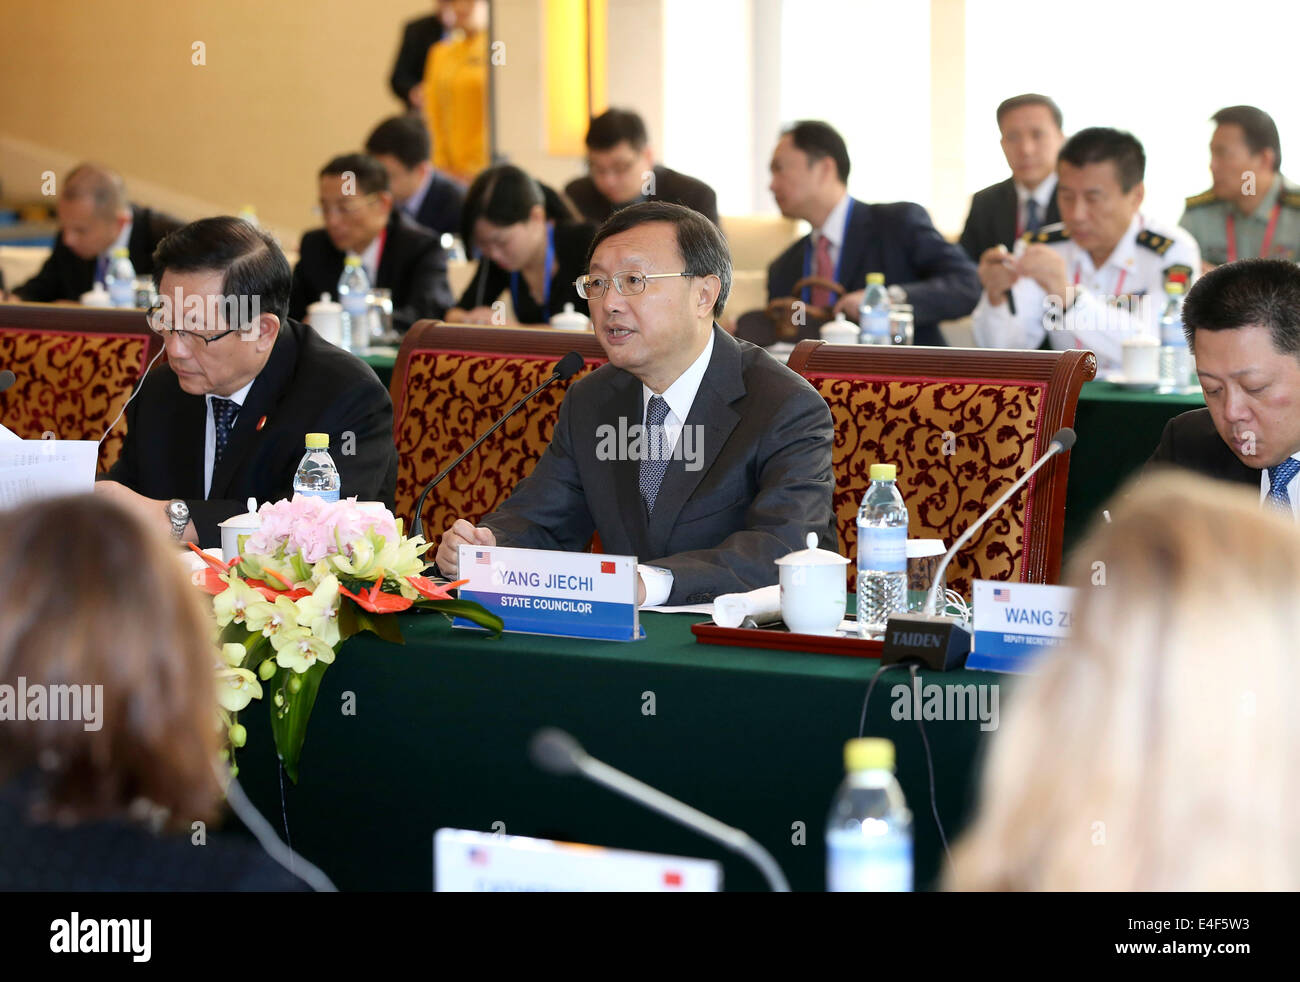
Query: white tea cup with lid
[(813, 590)]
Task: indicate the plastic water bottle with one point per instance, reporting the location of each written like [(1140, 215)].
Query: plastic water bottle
[(317, 476), (873, 316), (354, 291), (120, 279), (882, 552), (1175, 358), (869, 833)]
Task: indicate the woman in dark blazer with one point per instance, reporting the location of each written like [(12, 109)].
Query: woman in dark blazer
[(529, 246)]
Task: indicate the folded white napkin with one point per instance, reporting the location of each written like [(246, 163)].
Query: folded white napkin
[(763, 604)]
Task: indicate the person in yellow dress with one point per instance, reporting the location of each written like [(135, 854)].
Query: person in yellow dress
[(455, 99)]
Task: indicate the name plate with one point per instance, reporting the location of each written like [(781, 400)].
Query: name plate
[(1016, 622), (543, 591)]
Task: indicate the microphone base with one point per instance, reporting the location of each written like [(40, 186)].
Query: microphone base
[(938, 643)]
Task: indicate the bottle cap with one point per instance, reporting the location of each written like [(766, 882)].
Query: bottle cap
[(352, 261), (869, 754), (121, 251), (1174, 286), (884, 472), (875, 279), (318, 441)]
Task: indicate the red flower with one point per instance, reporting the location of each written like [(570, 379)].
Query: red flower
[(376, 601), (432, 591)]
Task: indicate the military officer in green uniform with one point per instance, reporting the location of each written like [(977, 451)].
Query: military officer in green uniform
[(1252, 210)]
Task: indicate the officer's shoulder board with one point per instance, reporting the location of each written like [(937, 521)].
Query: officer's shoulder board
[(1290, 198), (1048, 234), (1159, 244), (1201, 200)]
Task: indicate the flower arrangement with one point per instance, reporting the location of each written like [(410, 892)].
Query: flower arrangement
[(312, 576)]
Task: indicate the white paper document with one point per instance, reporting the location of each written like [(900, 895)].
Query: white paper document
[(35, 469)]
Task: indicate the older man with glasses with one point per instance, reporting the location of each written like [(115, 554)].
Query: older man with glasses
[(360, 220), (224, 419), (700, 454)]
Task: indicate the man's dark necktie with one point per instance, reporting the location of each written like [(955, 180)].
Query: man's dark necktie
[(1033, 221), (655, 451), (224, 412), (1279, 478)]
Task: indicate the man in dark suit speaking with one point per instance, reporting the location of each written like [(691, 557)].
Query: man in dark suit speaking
[(1243, 322), (95, 217), (1001, 213), (224, 418), (735, 467), (850, 238), (360, 220)]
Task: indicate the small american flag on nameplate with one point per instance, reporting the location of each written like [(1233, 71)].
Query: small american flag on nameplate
[(1001, 595), (481, 558)]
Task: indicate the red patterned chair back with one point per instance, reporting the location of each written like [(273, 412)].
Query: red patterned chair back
[(451, 382), (962, 425), (76, 367)]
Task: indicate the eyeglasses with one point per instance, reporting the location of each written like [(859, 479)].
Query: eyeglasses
[(628, 283), (159, 326), (348, 206)]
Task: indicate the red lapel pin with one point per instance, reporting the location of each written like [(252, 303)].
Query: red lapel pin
[(260, 423)]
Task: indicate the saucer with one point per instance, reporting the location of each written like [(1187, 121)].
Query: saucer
[(1136, 384)]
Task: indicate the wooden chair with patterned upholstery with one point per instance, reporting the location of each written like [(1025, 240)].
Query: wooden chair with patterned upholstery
[(962, 424), (76, 367), (450, 383)]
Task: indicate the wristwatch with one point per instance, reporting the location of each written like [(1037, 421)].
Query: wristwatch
[(896, 293), (178, 513)]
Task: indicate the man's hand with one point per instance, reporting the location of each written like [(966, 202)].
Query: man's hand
[(461, 533), (640, 590), (997, 273), (479, 315), (1046, 267), (150, 511), (850, 304), (415, 96)]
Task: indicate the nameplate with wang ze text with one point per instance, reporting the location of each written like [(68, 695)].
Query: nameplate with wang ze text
[(544, 591), (1016, 623)]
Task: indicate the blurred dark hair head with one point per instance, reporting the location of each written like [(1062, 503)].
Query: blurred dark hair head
[(615, 126), (250, 259), (94, 598), (1031, 99), (819, 140), (506, 195), (1257, 126), (370, 176), (402, 137), (701, 245), (104, 188), (1097, 144)]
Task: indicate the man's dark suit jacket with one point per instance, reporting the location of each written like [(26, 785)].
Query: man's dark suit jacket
[(66, 276), (992, 218), (440, 210), (670, 186), (306, 386), (899, 240), (764, 480), (418, 36), (1190, 441), (413, 265)]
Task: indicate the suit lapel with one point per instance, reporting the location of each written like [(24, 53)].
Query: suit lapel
[(625, 402), (1005, 217), (853, 254), (712, 413), (263, 399), (387, 271), (187, 448)]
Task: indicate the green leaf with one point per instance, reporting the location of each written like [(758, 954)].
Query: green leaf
[(469, 610), (347, 618), (384, 626), (290, 730)]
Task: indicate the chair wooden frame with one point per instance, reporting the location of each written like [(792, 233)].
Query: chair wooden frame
[(1061, 373)]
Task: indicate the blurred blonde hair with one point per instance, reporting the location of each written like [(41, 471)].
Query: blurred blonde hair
[(90, 596), (1159, 749)]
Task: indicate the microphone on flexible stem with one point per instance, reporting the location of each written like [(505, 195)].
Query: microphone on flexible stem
[(565, 368), (7, 378), (933, 639), (555, 751)]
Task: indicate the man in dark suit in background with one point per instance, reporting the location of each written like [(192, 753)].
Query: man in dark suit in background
[(1243, 322), (224, 418), (95, 217), (621, 170), (733, 469), (1026, 201), (360, 220), (418, 36), (850, 238), (434, 200)]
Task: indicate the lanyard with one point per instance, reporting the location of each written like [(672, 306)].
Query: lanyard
[(839, 263), (1231, 226), (546, 276)]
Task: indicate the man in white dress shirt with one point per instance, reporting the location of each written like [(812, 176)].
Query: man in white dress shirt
[(1243, 322), (1099, 276)]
